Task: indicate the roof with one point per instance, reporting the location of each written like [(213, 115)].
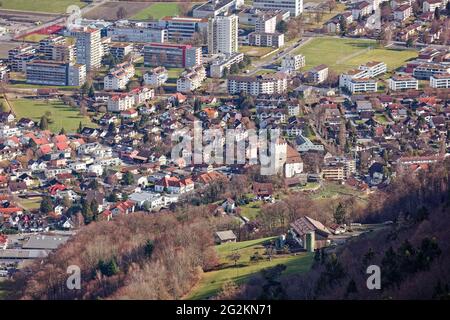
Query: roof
[(49, 242), (306, 224), (226, 235)]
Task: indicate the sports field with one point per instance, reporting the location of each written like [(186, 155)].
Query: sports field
[(343, 54), (51, 6), (212, 282), (62, 116)]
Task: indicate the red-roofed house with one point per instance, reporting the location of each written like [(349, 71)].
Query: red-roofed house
[(174, 185)]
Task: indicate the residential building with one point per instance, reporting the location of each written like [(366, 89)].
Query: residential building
[(46, 46), (397, 82), (88, 46), (191, 79), (223, 34), (119, 76), (174, 185), (403, 12), (275, 39), (318, 74), (256, 85), (120, 50), (19, 56), (295, 7), (293, 62), (180, 29), (431, 5), (334, 172), (373, 68), (362, 85), (125, 101), (64, 52), (440, 81), (172, 55), (213, 8), (156, 77), (224, 62), (251, 15), (54, 73), (134, 33), (426, 70), (4, 72), (266, 22), (361, 9)]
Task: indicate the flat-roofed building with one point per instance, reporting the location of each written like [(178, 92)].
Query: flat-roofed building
[(256, 85), (403, 82), (120, 50), (134, 33), (318, 74), (45, 72), (295, 7), (440, 81), (172, 55), (258, 39), (213, 8), (362, 85), (426, 70), (223, 34), (183, 28), (293, 62), (223, 62)]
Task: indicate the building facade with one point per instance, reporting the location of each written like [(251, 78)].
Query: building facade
[(223, 34), (172, 55), (295, 7)]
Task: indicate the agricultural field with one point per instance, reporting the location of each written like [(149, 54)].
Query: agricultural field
[(62, 116), (31, 203), (158, 11), (51, 6), (212, 281), (108, 10), (344, 54)]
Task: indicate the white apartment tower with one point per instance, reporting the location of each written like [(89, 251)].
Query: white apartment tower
[(295, 7), (223, 34), (88, 47)]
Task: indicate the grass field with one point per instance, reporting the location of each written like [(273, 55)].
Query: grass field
[(62, 116), (34, 37), (158, 11), (51, 6), (251, 210), (30, 204), (212, 282), (344, 54), (255, 51)]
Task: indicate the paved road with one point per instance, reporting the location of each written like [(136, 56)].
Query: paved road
[(277, 56)]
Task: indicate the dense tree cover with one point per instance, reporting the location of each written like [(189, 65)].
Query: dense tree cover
[(134, 257), (413, 253)]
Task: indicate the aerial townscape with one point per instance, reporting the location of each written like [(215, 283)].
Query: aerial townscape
[(96, 96)]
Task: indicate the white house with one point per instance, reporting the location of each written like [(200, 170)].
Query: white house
[(397, 82), (156, 77)]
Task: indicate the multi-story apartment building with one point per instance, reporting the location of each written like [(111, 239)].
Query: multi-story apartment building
[(133, 33), (224, 62), (293, 62), (432, 5), (183, 28), (4, 71), (223, 34), (64, 52), (191, 79), (118, 77), (156, 77), (46, 46), (373, 68), (172, 55), (275, 39), (88, 46), (19, 56), (402, 12), (362, 85), (351, 79), (361, 10), (256, 85), (266, 22), (213, 8), (295, 7), (55, 73), (120, 50), (440, 81), (318, 74), (397, 82), (125, 101), (426, 70), (333, 172)]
